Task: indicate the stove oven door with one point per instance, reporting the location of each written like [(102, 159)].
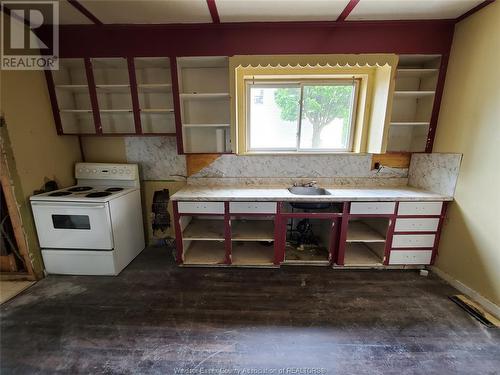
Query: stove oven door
[(73, 225)]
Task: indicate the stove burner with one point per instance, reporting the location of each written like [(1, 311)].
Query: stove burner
[(80, 188), (113, 189), (59, 193), (98, 194)]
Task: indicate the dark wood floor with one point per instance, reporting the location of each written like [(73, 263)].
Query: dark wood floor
[(157, 318)]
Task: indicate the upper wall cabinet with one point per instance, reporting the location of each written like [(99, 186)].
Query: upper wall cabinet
[(204, 104), (154, 88), (73, 97), (415, 89), (112, 96)]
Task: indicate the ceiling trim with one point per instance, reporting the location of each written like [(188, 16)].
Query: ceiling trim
[(347, 10), (212, 7), (474, 10), (87, 13)]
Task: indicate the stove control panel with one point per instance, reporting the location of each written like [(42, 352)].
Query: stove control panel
[(106, 171)]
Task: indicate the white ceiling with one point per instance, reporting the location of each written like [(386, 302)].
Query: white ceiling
[(149, 11), (279, 10), (410, 9), (197, 11)]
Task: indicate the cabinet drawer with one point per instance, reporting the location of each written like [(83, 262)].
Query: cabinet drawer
[(385, 208), (413, 240), (201, 207), (410, 257), (252, 207), (416, 225), (420, 208)]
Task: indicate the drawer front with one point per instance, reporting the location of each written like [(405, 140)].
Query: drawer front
[(410, 257), (252, 207), (385, 208), (420, 208), (413, 240), (201, 207), (416, 225)]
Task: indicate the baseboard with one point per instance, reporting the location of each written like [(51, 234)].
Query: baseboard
[(484, 302)]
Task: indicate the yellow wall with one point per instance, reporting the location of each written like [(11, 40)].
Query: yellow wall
[(104, 149), (38, 153), (469, 123)]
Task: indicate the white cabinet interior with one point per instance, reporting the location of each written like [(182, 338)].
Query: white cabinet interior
[(73, 97), (154, 90), (416, 81), (205, 104), (114, 97)]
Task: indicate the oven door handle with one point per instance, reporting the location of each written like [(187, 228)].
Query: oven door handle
[(65, 205)]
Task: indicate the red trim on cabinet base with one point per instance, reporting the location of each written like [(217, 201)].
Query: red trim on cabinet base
[(435, 251), (178, 233), (228, 245), (279, 236), (343, 234), (389, 235)]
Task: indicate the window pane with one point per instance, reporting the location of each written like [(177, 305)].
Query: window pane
[(326, 116), (274, 117)]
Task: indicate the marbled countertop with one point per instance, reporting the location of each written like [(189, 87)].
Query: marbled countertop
[(237, 193)]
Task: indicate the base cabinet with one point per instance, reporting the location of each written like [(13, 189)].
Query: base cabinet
[(268, 234)]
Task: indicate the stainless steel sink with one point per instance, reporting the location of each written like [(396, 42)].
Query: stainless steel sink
[(312, 191), (307, 190)]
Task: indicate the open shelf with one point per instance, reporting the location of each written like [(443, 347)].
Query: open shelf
[(204, 229), (359, 231), (252, 230), (416, 72), (205, 104), (410, 123), (250, 253), (414, 93), (72, 87), (204, 253), (205, 96), (206, 125), (362, 255)]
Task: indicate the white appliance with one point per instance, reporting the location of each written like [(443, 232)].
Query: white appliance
[(94, 227)]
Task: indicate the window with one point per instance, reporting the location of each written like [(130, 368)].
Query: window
[(303, 116)]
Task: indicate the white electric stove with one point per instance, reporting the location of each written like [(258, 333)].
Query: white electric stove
[(94, 227)]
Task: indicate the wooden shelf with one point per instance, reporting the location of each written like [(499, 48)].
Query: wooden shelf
[(75, 110), (205, 96), (115, 110), (204, 253), (416, 72), (206, 125), (208, 230), (252, 230), (252, 254), (154, 88), (360, 255), (158, 110), (413, 94), (410, 123), (358, 231)]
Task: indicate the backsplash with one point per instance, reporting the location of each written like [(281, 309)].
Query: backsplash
[(435, 172), (157, 157)]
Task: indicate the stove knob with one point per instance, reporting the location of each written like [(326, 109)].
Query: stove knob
[(94, 171), (87, 170), (113, 171), (120, 171)]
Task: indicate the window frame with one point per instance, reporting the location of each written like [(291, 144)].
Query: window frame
[(300, 83)]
